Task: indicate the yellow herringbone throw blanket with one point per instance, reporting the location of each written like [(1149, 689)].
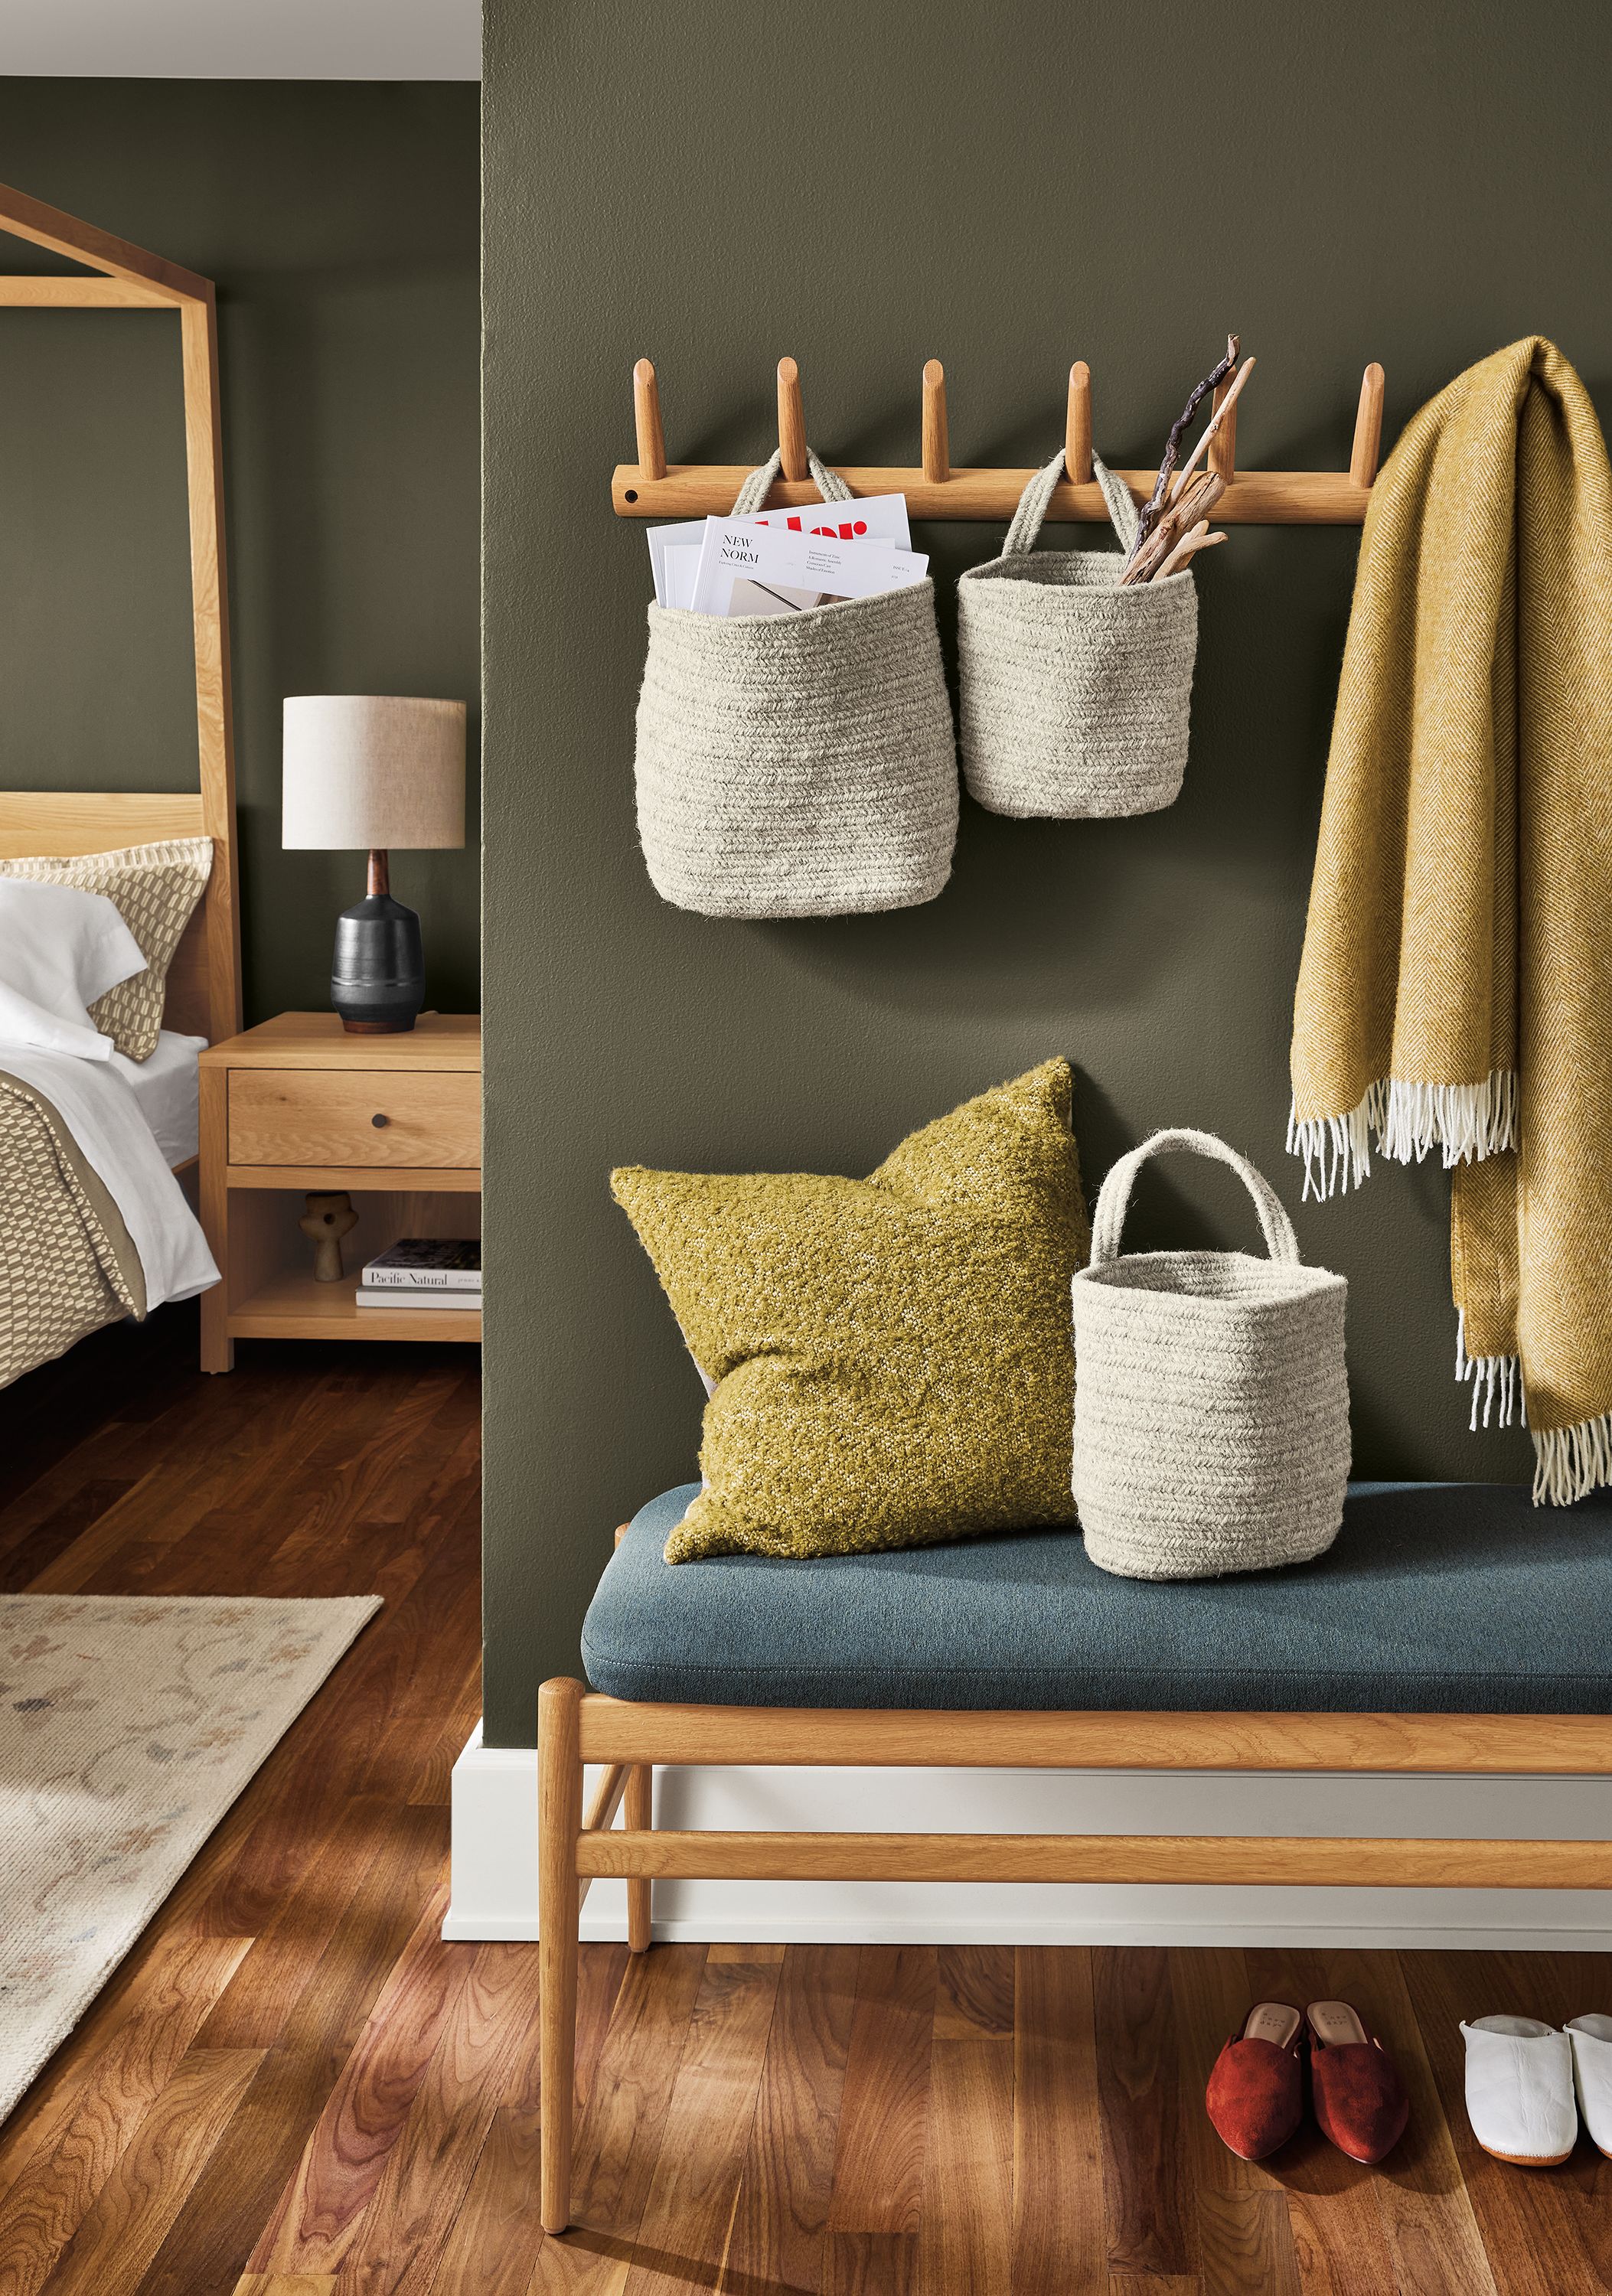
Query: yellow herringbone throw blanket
[(1456, 987)]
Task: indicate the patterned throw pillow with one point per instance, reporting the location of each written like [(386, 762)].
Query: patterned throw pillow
[(155, 888), (893, 1359)]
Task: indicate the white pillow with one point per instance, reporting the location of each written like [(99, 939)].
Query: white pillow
[(59, 949)]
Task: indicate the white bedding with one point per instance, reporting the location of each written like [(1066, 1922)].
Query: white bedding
[(103, 1112), (167, 1088)]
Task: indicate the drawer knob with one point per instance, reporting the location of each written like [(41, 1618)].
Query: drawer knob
[(379, 1122)]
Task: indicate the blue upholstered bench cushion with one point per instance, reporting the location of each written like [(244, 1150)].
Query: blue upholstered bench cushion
[(1438, 1597)]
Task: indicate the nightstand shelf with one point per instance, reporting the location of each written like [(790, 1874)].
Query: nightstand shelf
[(291, 1304), (297, 1107)]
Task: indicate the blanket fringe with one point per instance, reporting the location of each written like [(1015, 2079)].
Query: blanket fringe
[(1465, 1121), (1497, 1382), (1571, 1462), (1337, 1150)]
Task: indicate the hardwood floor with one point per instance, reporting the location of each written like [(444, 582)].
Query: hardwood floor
[(294, 2089)]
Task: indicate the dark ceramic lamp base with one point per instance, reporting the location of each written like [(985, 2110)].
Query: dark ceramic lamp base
[(377, 981)]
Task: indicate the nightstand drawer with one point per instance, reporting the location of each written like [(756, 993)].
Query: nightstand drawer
[(388, 1117)]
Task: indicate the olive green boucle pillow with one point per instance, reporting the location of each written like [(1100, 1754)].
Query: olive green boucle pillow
[(893, 1357)]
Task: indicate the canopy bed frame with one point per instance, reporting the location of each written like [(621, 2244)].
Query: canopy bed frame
[(203, 997)]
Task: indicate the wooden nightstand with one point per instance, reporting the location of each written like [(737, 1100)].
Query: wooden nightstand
[(297, 1104)]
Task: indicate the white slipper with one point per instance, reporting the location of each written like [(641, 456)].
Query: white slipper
[(1591, 2041), (1519, 2090)]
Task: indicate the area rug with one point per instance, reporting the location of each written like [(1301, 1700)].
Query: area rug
[(127, 1727)]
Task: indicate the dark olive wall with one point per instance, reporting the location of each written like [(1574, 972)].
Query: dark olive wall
[(1005, 189), (341, 224)]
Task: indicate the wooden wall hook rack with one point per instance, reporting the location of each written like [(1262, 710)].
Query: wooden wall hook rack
[(653, 488)]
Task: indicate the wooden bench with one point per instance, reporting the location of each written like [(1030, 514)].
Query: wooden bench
[(1462, 1588)]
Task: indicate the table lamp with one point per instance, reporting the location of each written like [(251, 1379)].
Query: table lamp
[(375, 772)]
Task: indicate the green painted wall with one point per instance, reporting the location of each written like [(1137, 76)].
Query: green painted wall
[(1005, 189), (341, 224)]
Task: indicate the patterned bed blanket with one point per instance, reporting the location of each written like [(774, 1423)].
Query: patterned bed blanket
[(67, 1262)]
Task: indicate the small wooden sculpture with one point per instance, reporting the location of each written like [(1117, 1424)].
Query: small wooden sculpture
[(327, 1219)]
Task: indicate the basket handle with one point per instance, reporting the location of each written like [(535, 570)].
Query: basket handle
[(1115, 1195), (1033, 505), (758, 486)]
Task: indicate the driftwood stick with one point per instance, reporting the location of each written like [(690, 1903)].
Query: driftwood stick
[(1212, 426), (1204, 545), (1197, 503), (1153, 506), (1186, 543), (1188, 548)]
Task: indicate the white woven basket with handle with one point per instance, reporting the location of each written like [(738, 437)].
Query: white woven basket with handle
[(1073, 693), (1211, 1405), (797, 765)]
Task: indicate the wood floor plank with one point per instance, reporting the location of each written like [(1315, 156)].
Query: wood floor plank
[(870, 2264), (685, 2228), (1060, 2240), (491, 2246), (285, 2284), (788, 2174), (73, 2156), (1151, 2227), (620, 2130), (118, 2236), (253, 2010), (428, 2170), (1246, 2244), (878, 2169), (316, 2221), (974, 1992), (965, 2239), (492, 2243), (236, 2198)]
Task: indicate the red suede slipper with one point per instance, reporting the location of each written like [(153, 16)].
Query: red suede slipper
[(1256, 2097), (1360, 2098)]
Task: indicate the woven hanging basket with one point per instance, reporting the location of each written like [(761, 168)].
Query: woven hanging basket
[(1074, 694), (1212, 1406), (797, 765)]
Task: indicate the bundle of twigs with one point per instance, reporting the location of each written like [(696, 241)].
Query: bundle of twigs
[(1174, 521)]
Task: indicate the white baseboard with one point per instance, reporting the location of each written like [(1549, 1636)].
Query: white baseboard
[(495, 1857)]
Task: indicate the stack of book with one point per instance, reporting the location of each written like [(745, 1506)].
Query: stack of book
[(425, 1272)]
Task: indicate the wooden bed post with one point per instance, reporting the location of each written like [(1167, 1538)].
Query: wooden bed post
[(215, 724), (559, 1834)]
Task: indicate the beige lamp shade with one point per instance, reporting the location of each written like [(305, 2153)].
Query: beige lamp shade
[(373, 770)]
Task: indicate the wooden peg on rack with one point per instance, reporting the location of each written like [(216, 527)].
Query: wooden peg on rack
[(1222, 447), (1367, 428), (646, 420), (791, 420), (937, 442), (1077, 426)]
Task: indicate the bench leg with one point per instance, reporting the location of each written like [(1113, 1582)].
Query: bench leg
[(559, 1828), (637, 1813)]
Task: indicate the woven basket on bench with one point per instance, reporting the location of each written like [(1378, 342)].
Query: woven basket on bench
[(1212, 1408)]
